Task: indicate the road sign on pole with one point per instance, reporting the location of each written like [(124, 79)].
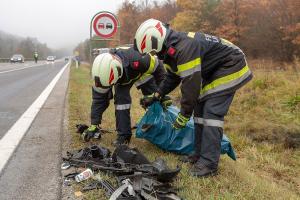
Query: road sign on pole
[(104, 26)]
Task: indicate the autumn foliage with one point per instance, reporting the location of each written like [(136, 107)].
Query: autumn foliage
[(262, 28)]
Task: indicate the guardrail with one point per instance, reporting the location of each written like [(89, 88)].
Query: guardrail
[(7, 60), (4, 60)]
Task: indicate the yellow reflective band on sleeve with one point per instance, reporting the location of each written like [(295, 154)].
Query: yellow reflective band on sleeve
[(191, 34), (189, 65), (150, 70), (225, 80), (144, 79), (132, 80)]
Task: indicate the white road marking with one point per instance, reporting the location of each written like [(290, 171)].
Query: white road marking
[(14, 135), (12, 70)]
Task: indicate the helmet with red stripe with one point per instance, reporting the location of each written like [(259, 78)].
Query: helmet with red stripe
[(150, 36), (107, 70)]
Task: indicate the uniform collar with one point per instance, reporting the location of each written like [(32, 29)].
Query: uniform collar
[(172, 39)]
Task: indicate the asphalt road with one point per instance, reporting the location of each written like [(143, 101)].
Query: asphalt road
[(33, 171), (20, 85)]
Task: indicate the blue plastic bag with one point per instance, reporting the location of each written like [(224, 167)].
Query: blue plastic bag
[(156, 127)]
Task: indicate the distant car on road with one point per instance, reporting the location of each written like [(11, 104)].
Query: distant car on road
[(50, 59), (17, 58)]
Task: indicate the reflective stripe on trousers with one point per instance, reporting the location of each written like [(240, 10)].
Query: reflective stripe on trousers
[(101, 90), (209, 122), (122, 106)]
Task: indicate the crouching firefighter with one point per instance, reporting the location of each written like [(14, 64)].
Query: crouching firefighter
[(210, 70), (121, 68)]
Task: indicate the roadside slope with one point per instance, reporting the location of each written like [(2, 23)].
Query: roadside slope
[(263, 115)]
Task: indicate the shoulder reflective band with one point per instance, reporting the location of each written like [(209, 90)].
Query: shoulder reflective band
[(101, 90), (209, 122), (123, 106), (226, 82), (189, 68), (191, 34)]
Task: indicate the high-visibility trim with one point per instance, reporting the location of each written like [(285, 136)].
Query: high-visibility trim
[(148, 74), (168, 67), (209, 122), (190, 71), (226, 82), (101, 90), (191, 34), (132, 80), (189, 68), (230, 44), (123, 47), (123, 106), (153, 65), (143, 80)]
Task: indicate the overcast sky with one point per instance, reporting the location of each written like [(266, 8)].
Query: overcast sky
[(59, 23)]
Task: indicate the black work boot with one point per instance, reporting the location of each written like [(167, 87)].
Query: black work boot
[(92, 132), (202, 171), (193, 158), (122, 139)]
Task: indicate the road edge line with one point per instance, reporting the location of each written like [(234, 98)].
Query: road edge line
[(14, 135)]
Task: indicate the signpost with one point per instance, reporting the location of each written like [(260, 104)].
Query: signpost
[(104, 26)]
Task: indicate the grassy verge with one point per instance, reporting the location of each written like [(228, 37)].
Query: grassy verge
[(264, 115)]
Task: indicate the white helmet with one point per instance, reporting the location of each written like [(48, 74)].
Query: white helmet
[(150, 36), (107, 69)]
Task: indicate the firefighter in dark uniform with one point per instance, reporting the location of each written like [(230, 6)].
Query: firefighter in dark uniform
[(121, 68), (210, 70)]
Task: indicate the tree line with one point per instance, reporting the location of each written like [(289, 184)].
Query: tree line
[(11, 44), (262, 28)]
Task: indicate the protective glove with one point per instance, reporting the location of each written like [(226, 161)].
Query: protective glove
[(166, 101), (180, 122), (92, 132), (147, 100)]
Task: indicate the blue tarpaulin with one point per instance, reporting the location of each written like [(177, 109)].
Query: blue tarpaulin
[(156, 127)]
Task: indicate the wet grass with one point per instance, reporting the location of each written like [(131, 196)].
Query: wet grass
[(264, 115)]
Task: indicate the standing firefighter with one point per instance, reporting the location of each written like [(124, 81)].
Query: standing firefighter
[(210, 70), (121, 68)]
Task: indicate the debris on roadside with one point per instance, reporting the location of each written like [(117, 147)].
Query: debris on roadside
[(87, 135), (136, 177)]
